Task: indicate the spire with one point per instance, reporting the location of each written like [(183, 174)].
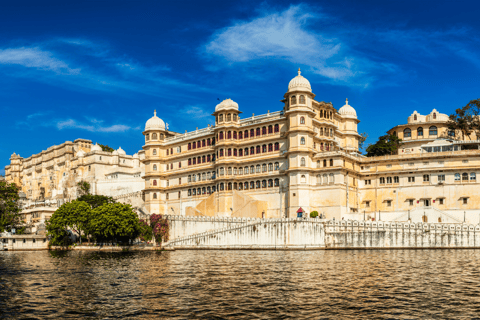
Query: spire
[(299, 72), (155, 113), (346, 102)]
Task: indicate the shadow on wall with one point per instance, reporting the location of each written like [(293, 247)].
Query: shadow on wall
[(235, 204)]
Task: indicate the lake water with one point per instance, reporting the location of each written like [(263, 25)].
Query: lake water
[(370, 284)]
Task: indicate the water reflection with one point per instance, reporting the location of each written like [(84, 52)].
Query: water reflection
[(241, 284)]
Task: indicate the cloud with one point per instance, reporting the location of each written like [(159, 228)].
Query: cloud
[(35, 58), (195, 112), (284, 36), (95, 127)]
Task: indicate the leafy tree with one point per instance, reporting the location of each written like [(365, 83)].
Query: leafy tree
[(361, 140), (106, 148), (386, 145), (96, 201), (146, 231), (9, 206), (466, 119), (313, 214), (83, 187), (75, 215), (114, 221)]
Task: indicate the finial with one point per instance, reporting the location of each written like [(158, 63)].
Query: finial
[(155, 113), (346, 102), (299, 72)]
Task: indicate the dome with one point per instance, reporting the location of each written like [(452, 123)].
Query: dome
[(227, 104), (80, 154), (299, 83), (135, 156), (347, 110), (115, 153), (155, 123), (121, 152), (96, 147)]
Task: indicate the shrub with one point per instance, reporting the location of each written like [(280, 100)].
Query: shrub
[(313, 214)]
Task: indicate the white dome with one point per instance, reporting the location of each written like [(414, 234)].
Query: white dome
[(96, 147), (299, 83), (347, 110), (227, 104), (155, 123), (80, 154), (115, 152), (121, 152)]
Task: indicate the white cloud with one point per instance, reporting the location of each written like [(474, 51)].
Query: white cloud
[(195, 112), (35, 58), (283, 35), (95, 127)]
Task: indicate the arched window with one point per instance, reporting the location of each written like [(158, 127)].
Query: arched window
[(245, 170), (252, 150), (209, 190), (324, 163), (301, 99), (264, 148), (229, 186), (167, 152), (208, 158), (252, 169), (276, 128), (221, 171), (147, 137), (257, 132), (331, 132), (235, 152), (473, 176), (245, 151), (277, 166), (189, 192), (415, 117), (270, 167), (252, 185), (293, 100), (229, 135), (434, 115), (245, 186), (154, 167), (222, 186), (264, 130), (276, 182), (229, 152), (230, 171), (229, 117), (264, 167), (245, 134), (303, 179), (155, 152), (257, 184), (240, 135), (252, 133), (189, 146), (332, 178), (277, 146), (420, 132), (221, 152), (154, 182), (321, 131), (321, 113), (270, 147), (221, 118), (203, 159), (302, 120), (464, 176), (270, 183), (331, 162), (264, 183), (154, 195), (234, 134), (194, 191), (258, 150), (407, 133), (204, 143), (457, 176), (302, 162), (258, 168), (194, 145), (319, 179), (220, 137), (270, 129), (432, 131), (302, 141), (154, 136)]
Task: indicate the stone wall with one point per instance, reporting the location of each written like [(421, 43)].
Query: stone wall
[(368, 234)]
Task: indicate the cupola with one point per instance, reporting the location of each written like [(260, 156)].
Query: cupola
[(155, 123), (347, 110), (299, 83)]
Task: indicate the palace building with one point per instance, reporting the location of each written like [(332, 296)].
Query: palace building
[(306, 156)]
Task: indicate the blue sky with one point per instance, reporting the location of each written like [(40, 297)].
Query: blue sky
[(98, 69)]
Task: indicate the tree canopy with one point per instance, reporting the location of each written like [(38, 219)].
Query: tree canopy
[(9, 206), (466, 119), (386, 145), (106, 148), (75, 215), (114, 221), (96, 201)]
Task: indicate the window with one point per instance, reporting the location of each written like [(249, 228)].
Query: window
[(321, 113), (389, 203), (189, 178), (332, 178), (245, 186), (220, 138), (270, 129), (189, 146), (434, 115), (293, 100), (302, 120), (235, 152), (229, 152), (180, 180), (432, 131), (154, 182), (229, 135), (221, 118), (270, 147), (277, 166), (258, 149), (302, 141), (382, 180), (302, 162), (419, 131), (367, 204), (252, 133), (252, 169), (473, 176), (411, 179), (252, 185), (264, 148), (303, 179), (389, 180), (465, 200), (331, 162), (221, 171), (264, 168), (451, 133), (245, 151), (194, 144), (229, 117), (245, 134), (234, 134), (221, 152), (464, 176), (179, 149), (276, 182), (264, 130), (189, 161), (257, 184), (155, 152), (396, 179), (257, 133), (270, 167), (276, 128), (415, 117), (147, 136), (230, 171), (324, 163), (440, 201), (301, 99), (426, 178), (407, 133), (154, 195), (368, 182), (441, 178), (258, 168), (240, 171), (264, 183), (319, 179), (154, 167), (277, 146)]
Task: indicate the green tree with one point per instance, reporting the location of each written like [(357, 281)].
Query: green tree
[(106, 148), (466, 119), (9, 207), (313, 214), (114, 221), (83, 187), (146, 231), (386, 145), (362, 139), (75, 215), (96, 201)]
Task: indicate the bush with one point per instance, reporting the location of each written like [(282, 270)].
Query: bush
[(313, 214)]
